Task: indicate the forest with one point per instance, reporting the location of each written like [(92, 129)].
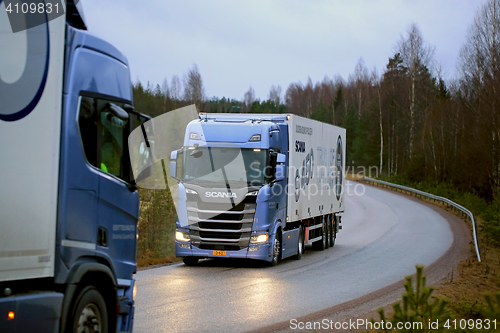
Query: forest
[(407, 122)]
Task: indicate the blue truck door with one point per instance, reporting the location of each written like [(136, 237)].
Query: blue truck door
[(117, 209)]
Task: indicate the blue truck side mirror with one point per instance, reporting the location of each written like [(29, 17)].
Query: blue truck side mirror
[(280, 172), (280, 167)]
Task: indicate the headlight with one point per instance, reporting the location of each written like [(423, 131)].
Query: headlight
[(189, 191), (182, 236), (194, 136), (252, 194), (262, 238)]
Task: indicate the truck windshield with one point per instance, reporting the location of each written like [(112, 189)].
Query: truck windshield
[(224, 165)]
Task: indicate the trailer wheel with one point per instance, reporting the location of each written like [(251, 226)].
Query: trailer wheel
[(190, 261), (301, 247), (333, 230), (329, 231), (276, 250), (89, 312), (324, 233), (323, 243), (326, 221)]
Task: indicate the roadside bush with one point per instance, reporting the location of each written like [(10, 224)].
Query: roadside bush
[(417, 306), (433, 314), (491, 226), (156, 224)]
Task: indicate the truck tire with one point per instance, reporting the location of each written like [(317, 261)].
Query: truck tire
[(89, 312), (323, 243), (276, 250), (333, 230), (301, 246), (328, 231), (190, 261)]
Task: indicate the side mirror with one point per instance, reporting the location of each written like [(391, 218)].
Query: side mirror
[(173, 164), (117, 111), (280, 172), (280, 167), (145, 161)]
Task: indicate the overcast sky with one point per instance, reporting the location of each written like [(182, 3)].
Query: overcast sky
[(237, 44)]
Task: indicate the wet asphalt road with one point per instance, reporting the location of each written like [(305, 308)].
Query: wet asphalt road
[(384, 235)]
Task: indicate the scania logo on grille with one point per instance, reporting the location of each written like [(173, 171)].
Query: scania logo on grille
[(220, 195)]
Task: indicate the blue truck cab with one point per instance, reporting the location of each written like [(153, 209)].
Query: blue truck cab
[(69, 205), (228, 200)]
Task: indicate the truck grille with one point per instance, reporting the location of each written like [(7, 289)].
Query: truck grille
[(213, 227)]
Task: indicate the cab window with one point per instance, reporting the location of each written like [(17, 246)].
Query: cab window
[(104, 136)]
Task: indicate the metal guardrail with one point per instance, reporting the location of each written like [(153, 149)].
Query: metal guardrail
[(445, 201)]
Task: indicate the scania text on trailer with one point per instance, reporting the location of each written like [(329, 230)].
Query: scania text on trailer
[(68, 201), (257, 186)]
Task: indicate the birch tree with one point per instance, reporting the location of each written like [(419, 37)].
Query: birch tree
[(416, 55), (194, 91)]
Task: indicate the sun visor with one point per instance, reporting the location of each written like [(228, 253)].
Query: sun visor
[(220, 132)]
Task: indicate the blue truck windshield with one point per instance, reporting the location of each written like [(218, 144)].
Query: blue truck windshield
[(222, 165)]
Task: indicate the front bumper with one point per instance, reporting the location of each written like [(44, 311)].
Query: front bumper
[(263, 253)]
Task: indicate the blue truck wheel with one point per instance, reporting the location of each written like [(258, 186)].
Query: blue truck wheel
[(90, 313), (301, 245)]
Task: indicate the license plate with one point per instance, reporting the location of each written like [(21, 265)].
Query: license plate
[(219, 253)]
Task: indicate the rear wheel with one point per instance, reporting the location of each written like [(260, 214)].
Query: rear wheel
[(323, 243), (333, 234), (190, 261), (89, 312), (301, 247), (328, 231)]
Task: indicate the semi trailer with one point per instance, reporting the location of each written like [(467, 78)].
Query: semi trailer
[(69, 205), (257, 186)]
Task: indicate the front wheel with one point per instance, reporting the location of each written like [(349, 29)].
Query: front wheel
[(276, 251), (300, 247), (89, 312)]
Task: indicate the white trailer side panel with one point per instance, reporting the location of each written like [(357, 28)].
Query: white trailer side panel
[(313, 173), (29, 146)]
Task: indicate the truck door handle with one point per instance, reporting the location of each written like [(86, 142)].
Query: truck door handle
[(102, 237)]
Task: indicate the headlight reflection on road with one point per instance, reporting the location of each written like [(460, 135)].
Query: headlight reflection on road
[(261, 298)]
